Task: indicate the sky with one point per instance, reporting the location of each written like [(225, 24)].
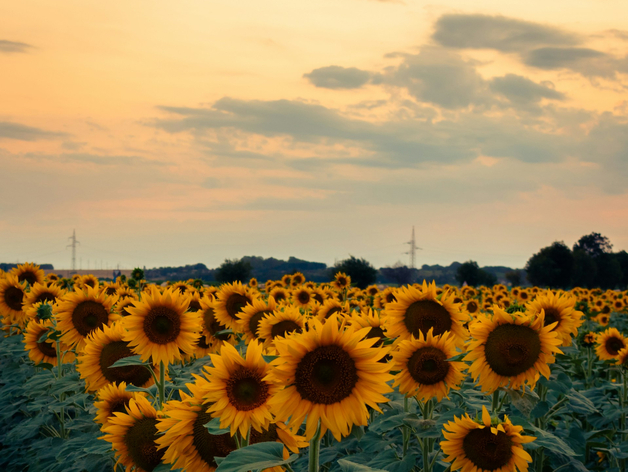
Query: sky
[(170, 133)]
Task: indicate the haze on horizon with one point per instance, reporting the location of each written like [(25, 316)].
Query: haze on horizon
[(174, 133)]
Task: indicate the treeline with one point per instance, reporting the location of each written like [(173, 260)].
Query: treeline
[(590, 263), (7, 266)]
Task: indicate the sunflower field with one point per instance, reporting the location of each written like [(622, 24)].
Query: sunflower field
[(294, 376)]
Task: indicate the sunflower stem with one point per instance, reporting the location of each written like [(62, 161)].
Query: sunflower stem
[(405, 428), (162, 384), (589, 366), (62, 395), (624, 400), (315, 446), (495, 405)]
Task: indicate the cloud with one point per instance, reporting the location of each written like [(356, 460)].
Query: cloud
[(20, 132), (498, 32), (523, 91), (99, 159), (441, 77), (10, 47), (588, 62), (337, 77)]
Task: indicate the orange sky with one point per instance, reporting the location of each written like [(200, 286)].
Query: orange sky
[(169, 134)]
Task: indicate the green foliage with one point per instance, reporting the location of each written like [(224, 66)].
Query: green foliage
[(471, 273), (255, 457), (551, 267), (361, 271), (233, 270)]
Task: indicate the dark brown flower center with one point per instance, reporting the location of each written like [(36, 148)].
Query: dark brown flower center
[(487, 451), (279, 295), (162, 325), (246, 389), (267, 435), (332, 310), (140, 442), (89, 316), (472, 307), (194, 306), (512, 349), (137, 375), (213, 326), (284, 327), (234, 304), (304, 297), (318, 297), (428, 365), (29, 276), (47, 349), (46, 297), (111, 290), (207, 445), (552, 316), (423, 315), (613, 345), (13, 297), (326, 375), (255, 319), (118, 406)]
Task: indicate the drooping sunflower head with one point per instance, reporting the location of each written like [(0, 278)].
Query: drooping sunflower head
[(12, 293), (111, 399), (424, 371), (485, 445), (160, 327), (80, 313), (251, 316), (510, 349), (187, 442), (29, 272), (280, 323), (230, 301), (46, 350), (609, 343), (133, 436), (330, 374), (103, 348), (238, 389), (417, 311)]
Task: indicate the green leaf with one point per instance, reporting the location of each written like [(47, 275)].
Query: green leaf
[(348, 466), (214, 427), (55, 336), (458, 357), (224, 332), (255, 457), (540, 410), (523, 401), (127, 361), (550, 442), (45, 365)]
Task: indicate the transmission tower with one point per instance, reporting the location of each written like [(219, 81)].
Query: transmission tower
[(412, 251), (73, 246)]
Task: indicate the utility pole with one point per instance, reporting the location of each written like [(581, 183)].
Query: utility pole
[(412, 251), (73, 246)]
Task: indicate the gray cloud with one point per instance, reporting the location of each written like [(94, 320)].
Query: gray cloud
[(9, 47), (588, 62), (523, 91), (102, 160), (337, 77), (498, 32), (20, 132), (438, 76)]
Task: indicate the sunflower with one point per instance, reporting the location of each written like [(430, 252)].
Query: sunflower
[(122, 305), (111, 288), (510, 349), (46, 292), (81, 313), (187, 442), (160, 327), (297, 279), (622, 358), (329, 375), (12, 293), (602, 319), (424, 371), (133, 436), (231, 299), (43, 351), (416, 311), (253, 283), (471, 306), (103, 348), (29, 272), (609, 343), (486, 445), (210, 327), (559, 309), (251, 316), (237, 389), (279, 294), (113, 398), (341, 281), (330, 308), (280, 323), (367, 318), (302, 297), (51, 277), (589, 339)]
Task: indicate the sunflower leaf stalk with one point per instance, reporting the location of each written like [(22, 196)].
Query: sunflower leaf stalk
[(314, 452), (162, 384)]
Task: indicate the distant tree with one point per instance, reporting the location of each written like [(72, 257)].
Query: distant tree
[(594, 245), (233, 270), (584, 270), (551, 267), (610, 273), (361, 271), (398, 274), (514, 277), (471, 273), (622, 258)]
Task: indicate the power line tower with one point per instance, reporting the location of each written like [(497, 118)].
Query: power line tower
[(412, 251), (73, 246)]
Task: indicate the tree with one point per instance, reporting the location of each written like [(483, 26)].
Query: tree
[(514, 277), (584, 270), (471, 273), (610, 273), (551, 267), (399, 274), (622, 259), (362, 273), (594, 245), (233, 270)]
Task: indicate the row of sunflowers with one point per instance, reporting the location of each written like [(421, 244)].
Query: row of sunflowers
[(293, 375)]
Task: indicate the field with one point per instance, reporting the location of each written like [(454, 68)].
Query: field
[(298, 376)]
